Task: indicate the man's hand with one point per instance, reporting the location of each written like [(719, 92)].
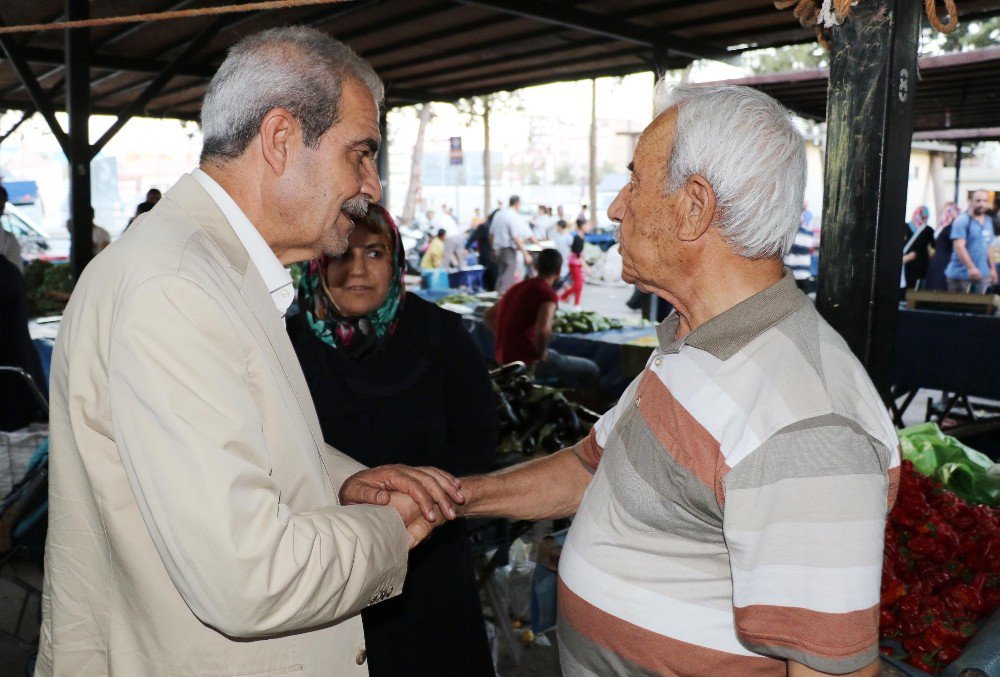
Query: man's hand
[(416, 524), (993, 276), (974, 274), (431, 489)]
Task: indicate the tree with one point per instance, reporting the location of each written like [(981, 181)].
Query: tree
[(564, 175), (410, 206), (480, 107), (789, 58), (971, 35)]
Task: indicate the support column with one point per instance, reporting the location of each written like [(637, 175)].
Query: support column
[(873, 78), (592, 178), (383, 156), (958, 173), (78, 153)]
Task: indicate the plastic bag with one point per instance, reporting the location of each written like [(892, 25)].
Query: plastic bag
[(962, 469)]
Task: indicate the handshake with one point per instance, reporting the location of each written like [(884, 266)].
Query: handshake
[(425, 497)]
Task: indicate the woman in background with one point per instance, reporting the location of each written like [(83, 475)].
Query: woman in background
[(942, 248), (396, 379)]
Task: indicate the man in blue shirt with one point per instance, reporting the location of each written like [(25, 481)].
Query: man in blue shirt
[(971, 233)]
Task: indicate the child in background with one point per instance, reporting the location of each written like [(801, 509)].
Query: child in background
[(577, 269)]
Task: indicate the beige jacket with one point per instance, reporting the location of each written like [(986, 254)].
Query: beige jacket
[(194, 525)]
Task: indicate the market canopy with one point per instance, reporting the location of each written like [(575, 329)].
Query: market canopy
[(423, 49), (958, 95)]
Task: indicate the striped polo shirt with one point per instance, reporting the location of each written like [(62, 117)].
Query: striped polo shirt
[(737, 509)]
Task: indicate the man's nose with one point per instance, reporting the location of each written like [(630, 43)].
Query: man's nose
[(617, 209), (370, 184)]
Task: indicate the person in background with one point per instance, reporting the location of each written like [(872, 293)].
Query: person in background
[(396, 379), (919, 238), (506, 230), (479, 239), (140, 209), (153, 196), (19, 406), (10, 248), (101, 237), (799, 258), (521, 323), (969, 270), (477, 218), (577, 272), (444, 220), (434, 256), (563, 240), (935, 279), (454, 255)]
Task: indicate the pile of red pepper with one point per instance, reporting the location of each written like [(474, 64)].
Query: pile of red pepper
[(940, 573)]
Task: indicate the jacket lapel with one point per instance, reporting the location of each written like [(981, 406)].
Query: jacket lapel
[(188, 194)]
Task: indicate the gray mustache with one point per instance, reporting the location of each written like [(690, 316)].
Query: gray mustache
[(357, 206)]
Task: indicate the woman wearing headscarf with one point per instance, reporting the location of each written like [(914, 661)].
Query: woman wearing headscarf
[(396, 379), (942, 249), (917, 248)]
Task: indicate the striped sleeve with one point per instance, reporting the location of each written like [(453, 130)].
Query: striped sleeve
[(804, 519)]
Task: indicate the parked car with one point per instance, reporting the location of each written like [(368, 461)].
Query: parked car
[(35, 241)]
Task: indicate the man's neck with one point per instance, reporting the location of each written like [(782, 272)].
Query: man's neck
[(550, 279), (715, 289)]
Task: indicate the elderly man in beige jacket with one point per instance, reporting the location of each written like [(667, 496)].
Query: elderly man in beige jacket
[(195, 523)]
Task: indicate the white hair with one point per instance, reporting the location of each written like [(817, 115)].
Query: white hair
[(297, 68), (745, 145)]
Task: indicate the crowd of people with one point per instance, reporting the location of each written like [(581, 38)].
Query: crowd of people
[(239, 489)]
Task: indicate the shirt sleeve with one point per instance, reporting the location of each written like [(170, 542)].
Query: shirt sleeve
[(804, 520), (960, 229)]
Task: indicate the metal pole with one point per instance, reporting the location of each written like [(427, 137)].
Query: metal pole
[(958, 171), (593, 154), (383, 156), (873, 79), (78, 156)]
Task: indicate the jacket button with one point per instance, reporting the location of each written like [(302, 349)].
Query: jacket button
[(361, 657)]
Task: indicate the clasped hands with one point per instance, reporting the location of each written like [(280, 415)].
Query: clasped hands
[(424, 497)]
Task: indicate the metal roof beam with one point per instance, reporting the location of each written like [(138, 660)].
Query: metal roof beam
[(165, 76), (15, 54), (607, 25)]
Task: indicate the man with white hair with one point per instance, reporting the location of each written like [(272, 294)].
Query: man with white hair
[(195, 525), (730, 508)]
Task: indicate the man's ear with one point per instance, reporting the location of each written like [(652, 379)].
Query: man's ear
[(697, 208), (277, 132)]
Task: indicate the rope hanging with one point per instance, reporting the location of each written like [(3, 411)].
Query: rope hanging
[(825, 14), (164, 16)]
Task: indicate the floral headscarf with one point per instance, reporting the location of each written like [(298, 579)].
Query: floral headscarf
[(357, 337), (948, 214), (919, 218)]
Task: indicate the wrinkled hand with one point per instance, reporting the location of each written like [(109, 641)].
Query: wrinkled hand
[(416, 524), (433, 490)]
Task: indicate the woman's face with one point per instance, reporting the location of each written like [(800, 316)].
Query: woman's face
[(359, 279)]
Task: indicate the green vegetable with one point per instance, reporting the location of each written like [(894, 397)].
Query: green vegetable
[(583, 322), (460, 299), (960, 468)]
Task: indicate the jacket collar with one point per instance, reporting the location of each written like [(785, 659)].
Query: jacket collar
[(728, 333), (199, 205)]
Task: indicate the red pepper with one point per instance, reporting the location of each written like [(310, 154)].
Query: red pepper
[(892, 591), (924, 662), (887, 620), (922, 545), (961, 598), (948, 653)]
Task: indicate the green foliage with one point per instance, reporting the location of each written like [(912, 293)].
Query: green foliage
[(784, 59), (564, 175), (972, 35), (48, 287)]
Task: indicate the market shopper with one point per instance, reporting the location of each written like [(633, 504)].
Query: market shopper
[(506, 238), (433, 257), (917, 243), (942, 248), (396, 379), (969, 270), (577, 273), (730, 508), (521, 323), (195, 525)]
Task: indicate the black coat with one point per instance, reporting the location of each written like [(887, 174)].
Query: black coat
[(425, 399), (18, 407)]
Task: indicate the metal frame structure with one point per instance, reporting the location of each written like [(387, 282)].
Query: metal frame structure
[(442, 50)]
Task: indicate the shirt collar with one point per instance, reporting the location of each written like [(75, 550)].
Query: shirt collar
[(726, 334), (276, 277)]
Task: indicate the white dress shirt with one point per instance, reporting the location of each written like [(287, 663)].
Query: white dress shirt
[(276, 276)]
